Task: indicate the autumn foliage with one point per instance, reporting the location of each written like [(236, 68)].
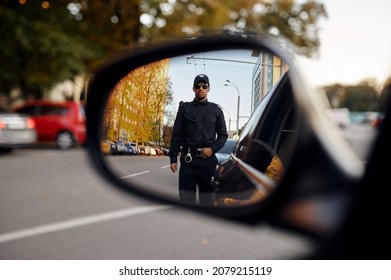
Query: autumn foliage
[(135, 109)]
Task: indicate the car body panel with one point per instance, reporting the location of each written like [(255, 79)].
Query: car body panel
[(323, 193), (260, 147), (119, 148), (226, 151), (134, 147), (52, 118), (130, 150), (16, 130)]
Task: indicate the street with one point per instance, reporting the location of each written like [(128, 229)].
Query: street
[(360, 137), (54, 206)]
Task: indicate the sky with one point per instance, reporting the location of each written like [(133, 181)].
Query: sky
[(183, 71), (355, 45)]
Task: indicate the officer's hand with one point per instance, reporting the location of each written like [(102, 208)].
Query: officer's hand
[(206, 152), (174, 167)]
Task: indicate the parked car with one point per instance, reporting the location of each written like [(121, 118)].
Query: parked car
[(118, 148), (130, 150), (144, 150), (261, 147), (141, 150), (59, 122), (313, 184), (225, 151), (159, 151), (134, 147), (113, 149), (16, 131), (164, 151), (377, 121), (152, 151)]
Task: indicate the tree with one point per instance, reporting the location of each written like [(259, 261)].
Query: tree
[(112, 25), (41, 46), (296, 20), (385, 95), (361, 97), (47, 42), (137, 103), (118, 24)]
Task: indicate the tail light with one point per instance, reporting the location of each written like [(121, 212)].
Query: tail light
[(30, 123), (2, 124)]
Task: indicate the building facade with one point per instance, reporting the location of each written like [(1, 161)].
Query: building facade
[(266, 72)]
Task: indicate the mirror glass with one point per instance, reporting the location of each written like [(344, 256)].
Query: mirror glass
[(253, 91)]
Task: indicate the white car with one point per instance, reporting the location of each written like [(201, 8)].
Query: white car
[(226, 150), (16, 130)]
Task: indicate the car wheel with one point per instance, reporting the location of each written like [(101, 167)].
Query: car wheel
[(65, 140)]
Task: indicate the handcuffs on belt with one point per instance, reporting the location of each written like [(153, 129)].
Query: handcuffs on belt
[(189, 158)]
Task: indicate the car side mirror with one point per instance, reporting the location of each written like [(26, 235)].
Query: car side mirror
[(135, 98)]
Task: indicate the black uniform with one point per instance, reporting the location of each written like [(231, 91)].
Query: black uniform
[(197, 125)]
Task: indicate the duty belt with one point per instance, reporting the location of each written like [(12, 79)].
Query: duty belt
[(188, 158)]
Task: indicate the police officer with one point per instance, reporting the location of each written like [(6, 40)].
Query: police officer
[(199, 132)]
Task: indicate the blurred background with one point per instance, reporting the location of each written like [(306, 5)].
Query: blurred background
[(51, 202)]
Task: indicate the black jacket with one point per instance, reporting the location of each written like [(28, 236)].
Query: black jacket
[(198, 125)]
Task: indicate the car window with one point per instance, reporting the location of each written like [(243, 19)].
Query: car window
[(261, 138), (248, 131), (31, 110), (48, 110), (275, 116), (82, 111)]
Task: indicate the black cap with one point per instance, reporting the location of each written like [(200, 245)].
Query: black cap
[(201, 77)]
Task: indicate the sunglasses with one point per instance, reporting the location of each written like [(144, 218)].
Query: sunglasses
[(199, 86)]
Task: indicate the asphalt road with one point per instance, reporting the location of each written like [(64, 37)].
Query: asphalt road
[(54, 206), (361, 137)]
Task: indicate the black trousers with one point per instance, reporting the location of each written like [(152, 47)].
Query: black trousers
[(196, 173)]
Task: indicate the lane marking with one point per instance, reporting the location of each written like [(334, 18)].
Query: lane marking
[(166, 166), (135, 174), (78, 222)]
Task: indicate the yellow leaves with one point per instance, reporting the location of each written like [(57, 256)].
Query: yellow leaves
[(136, 106)]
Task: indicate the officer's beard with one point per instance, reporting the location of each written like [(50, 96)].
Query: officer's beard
[(201, 97)]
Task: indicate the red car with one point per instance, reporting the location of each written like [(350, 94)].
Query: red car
[(378, 120), (59, 122)]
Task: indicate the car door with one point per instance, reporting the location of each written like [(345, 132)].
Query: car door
[(50, 120), (261, 147)]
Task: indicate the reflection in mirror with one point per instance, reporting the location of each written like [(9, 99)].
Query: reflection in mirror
[(252, 89)]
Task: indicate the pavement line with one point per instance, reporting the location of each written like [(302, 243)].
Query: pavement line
[(135, 174), (78, 222), (166, 166)]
